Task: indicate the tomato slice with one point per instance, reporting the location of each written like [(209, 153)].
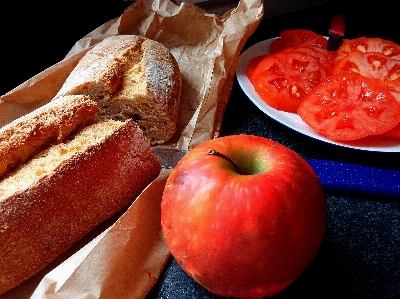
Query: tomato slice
[(373, 65), (283, 79), (369, 44), (298, 37), (277, 45), (348, 106), (252, 67), (304, 37), (325, 57), (394, 133)]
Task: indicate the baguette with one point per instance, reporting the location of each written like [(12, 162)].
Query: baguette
[(131, 77), (49, 124), (70, 186)]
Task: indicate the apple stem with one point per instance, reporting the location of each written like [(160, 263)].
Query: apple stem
[(214, 152)]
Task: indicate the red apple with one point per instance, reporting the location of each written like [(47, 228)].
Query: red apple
[(243, 215)]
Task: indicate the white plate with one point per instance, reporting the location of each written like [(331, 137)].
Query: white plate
[(292, 120)]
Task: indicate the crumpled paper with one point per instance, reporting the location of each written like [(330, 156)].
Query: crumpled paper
[(124, 257)]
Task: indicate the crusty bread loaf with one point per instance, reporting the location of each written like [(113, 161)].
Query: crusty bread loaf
[(25, 136), (131, 77), (59, 195)]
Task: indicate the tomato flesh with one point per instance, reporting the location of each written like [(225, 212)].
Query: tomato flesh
[(373, 65), (298, 37), (393, 133), (325, 57), (350, 107), (369, 45), (252, 66), (277, 45), (283, 79)]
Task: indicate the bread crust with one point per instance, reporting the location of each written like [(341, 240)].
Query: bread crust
[(131, 77), (40, 223), (51, 123)]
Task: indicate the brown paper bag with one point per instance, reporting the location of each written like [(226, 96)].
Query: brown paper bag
[(126, 257)]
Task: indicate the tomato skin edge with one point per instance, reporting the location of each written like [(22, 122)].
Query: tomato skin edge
[(252, 67)]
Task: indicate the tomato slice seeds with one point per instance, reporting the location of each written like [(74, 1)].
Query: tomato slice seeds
[(283, 79), (349, 106), (325, 57), (369, 45), (372, 65)]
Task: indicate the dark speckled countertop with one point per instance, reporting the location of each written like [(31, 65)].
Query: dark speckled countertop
[(360, 254)]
